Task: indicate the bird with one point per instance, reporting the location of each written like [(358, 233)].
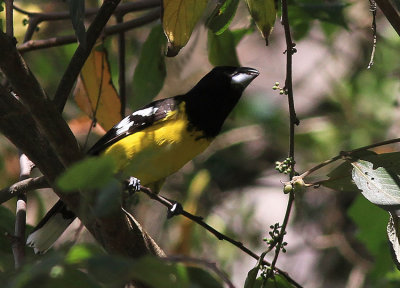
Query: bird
[(157, 140)]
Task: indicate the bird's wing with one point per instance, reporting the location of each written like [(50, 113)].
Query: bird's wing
[(135, 122)]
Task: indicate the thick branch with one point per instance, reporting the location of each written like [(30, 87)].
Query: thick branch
[(48, 119)]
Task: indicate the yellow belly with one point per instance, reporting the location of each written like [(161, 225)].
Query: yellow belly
[(158, 151)]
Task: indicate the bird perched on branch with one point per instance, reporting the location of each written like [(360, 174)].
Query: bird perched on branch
[(157, 140)]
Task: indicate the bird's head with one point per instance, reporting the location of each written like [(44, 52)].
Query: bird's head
[(216, 94)]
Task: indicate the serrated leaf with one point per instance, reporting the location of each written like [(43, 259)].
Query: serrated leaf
[(95, 93), (393, 231), (378, 184), (222, 16), (264, 14), (150, 71), (91, 173), (222, 49), (179, 18), (77, 12)]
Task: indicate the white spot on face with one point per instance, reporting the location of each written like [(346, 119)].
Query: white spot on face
[(242, 78)]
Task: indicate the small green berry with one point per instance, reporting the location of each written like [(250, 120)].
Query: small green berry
[(288, 188)]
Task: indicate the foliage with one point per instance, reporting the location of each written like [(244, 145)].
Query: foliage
[(351, 108)]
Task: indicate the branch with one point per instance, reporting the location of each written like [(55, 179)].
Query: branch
[(36, 18), (18, 246), (43, 111), (9, 18), (346, 154), (69, 39), (82, 53), (290, 50), (121, 68), (23, 186), (390, 13), (199, 220)]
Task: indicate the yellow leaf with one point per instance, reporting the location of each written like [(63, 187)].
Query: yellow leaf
[(179, 19), (264, 14), (94, 92)]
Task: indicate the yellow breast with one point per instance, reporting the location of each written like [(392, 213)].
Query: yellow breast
[(159, 150)]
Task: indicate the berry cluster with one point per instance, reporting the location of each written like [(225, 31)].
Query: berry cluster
[(285, 166), (275, 235)]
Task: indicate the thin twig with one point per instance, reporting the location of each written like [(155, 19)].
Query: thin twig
[(372, 8), (199, 220), (36, 18), (69, 39), (23, 186), (347, 153), (18, 245), (83, 52), (121, 67), (290, 50), (122, 9)]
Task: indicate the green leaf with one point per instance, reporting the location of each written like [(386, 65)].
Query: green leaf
[(251, 277), (371, 224), (150, 71), (379, 184), (221, 49), (238, 34), (278, 281), (82, 252), (340, 177), (327, 12), (77, 12), (201, 278), (222, 16), (179, 19), (264, 14), (91, 173)]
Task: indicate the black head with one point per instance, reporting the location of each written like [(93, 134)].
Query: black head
[(213, 98)]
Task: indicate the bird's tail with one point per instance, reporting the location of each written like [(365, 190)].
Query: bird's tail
[(50, 228)]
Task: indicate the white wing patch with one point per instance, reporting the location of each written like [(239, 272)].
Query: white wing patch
[(127, 122), (146, 112)]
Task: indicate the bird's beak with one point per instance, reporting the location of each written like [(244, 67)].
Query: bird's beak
[(243, 76)]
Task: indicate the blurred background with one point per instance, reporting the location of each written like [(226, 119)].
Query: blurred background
[(335, 238)]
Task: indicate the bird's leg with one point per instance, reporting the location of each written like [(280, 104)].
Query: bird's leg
[(132, 185)]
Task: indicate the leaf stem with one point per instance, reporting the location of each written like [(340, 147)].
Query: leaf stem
[(347, 153)]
